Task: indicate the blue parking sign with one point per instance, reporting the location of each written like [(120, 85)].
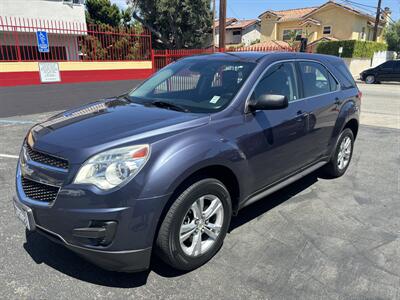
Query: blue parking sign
[(42, 41)]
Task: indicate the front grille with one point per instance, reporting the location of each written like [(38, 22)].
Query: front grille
[(38, 191), (45, 158)]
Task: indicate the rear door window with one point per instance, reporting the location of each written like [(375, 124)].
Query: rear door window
[(397, 66), (347, 80), (316, 79), (387, 66)]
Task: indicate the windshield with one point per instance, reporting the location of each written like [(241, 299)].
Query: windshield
[(194, 85)]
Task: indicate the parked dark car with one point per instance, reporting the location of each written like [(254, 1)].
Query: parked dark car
[(388, 71), (165, 166)]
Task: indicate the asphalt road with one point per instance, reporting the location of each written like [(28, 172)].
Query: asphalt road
[(24, 100), (316, 239)]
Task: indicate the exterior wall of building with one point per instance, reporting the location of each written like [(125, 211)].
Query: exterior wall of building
[(27, 73), (268, 28), (311, 32), (67, 42), (357, 65), (251, 34), (287, 26), (65, 22), (232, 39), (343, 22), (247, 36), (44, 10)]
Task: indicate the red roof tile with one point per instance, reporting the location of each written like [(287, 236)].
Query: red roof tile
[(291, 14), (241, 24)]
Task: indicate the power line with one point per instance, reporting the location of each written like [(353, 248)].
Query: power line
[(360, 4), (362, 8), (233, 12)]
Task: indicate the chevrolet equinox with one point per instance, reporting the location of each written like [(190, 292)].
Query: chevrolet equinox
[(164, 167)]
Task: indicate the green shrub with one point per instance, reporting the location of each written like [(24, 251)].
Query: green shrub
[(351, 48)]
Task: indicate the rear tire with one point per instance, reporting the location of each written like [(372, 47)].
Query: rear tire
[(342, 155), (195, 226)]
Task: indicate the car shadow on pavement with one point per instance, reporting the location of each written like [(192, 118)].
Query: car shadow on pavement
[(56, 256), (63, 260), (265, 204)]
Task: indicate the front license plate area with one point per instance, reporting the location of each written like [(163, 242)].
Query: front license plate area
[(24, 215)]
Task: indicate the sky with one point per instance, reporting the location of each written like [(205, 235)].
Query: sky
[(251, 9)]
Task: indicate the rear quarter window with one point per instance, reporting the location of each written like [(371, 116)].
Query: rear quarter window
[(347, 80)]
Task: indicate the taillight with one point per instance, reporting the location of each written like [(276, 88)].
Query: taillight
[(359, 95)]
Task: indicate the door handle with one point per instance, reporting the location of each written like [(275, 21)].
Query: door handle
[(300, 116)]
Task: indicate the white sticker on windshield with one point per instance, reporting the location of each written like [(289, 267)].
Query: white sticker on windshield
[(215, 99)]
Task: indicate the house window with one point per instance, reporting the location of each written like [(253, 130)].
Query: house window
[(327, 30), (291, 34), (362, 34), (236, 32)]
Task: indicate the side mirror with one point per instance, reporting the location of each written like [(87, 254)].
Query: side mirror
[(269, 102)]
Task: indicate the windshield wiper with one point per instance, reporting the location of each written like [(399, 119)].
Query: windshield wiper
[(125, 96), (169, 105)]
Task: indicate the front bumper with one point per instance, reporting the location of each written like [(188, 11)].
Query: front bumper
[(129, 245), (121, 261)]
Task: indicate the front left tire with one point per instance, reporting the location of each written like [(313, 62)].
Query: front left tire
[(370, 79), (195, 226)]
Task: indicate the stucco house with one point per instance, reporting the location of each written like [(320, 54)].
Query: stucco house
[(330, 21), (19, 21), (239, 32)]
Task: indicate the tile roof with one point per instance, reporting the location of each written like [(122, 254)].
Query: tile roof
[(291, 14), (267, 44), (241, 24), (228, 21), (344, 6)]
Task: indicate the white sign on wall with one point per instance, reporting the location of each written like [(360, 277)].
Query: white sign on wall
[(49, 72)]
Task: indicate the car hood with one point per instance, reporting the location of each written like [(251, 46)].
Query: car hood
[(78, 133)]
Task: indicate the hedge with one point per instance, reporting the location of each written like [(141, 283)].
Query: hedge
[(351, 48)]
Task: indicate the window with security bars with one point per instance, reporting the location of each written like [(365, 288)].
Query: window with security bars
[(12, 52)]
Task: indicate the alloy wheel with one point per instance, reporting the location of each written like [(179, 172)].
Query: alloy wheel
[(201, 225), (344, 153), (370, 79)]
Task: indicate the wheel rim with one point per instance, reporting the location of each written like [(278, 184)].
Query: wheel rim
[(344, 153), (370, 79), (201, 225)]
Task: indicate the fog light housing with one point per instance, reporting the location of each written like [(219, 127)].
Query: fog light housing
[(99, 233)]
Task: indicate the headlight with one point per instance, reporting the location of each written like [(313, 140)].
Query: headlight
[(112, 168)]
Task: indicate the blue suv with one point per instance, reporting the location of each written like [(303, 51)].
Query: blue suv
[(164, 167)]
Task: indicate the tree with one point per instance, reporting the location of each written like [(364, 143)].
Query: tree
[(392, 37), (109, 18), (103, 12), (175, 24)]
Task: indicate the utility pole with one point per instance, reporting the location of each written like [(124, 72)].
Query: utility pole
[(222, 23), (213, 35), (378, 15)]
